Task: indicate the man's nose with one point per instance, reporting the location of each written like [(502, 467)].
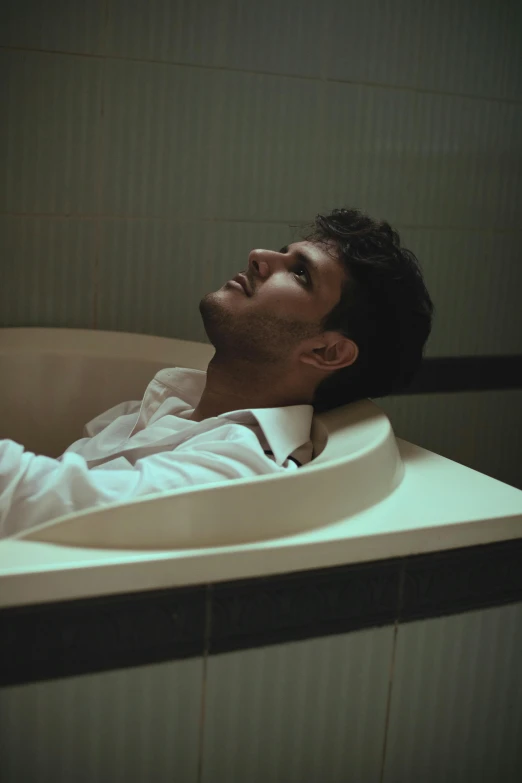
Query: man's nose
[(262, 262)]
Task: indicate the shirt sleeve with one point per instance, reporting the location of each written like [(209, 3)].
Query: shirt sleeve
[(99, 423), (36, 489)]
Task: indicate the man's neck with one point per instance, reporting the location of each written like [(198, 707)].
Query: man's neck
[(237, 387)]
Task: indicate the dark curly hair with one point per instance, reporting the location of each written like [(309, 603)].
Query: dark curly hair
[(384, 308)]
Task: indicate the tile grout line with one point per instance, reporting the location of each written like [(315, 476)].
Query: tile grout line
[(172, 220), (204, 680), (275, 74), (95, 294), (392, 670)]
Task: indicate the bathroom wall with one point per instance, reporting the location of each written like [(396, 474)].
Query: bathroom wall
[(149, 145), (432, 700)]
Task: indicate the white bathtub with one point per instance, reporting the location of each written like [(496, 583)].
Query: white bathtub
[(365, 496)]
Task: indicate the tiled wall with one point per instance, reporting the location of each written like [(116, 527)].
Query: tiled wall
[(437, 700), (149, 145)]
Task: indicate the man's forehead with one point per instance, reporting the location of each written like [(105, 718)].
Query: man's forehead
[(317, 251)]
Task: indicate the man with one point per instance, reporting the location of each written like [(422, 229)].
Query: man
[(336, 317)]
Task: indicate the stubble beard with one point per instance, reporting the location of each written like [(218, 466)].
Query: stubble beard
[(255, 338)]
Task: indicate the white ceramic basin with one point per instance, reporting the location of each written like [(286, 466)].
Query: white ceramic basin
[(55, 380)]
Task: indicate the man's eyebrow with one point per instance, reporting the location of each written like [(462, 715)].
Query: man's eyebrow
[(304, 259)]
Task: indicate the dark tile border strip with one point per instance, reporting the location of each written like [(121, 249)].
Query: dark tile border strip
[(47, 641), (460, 580), (306, 604), (467, 373)]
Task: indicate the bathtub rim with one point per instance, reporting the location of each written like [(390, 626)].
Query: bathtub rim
[(489, 511), (380, 452)]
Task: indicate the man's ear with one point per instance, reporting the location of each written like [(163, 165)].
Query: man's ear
[(335, 352)]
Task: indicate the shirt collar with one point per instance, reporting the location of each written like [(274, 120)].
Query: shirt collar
[(285, 428)]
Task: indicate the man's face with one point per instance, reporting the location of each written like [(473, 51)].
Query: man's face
[(291, 291)]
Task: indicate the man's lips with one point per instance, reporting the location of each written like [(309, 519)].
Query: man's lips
[(243, 282)]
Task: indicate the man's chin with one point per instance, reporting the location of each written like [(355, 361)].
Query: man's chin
[(217, 318)]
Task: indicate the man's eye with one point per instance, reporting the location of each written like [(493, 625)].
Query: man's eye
[(303, 270)]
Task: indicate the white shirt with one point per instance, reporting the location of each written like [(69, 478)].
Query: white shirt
[(141, 448)]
